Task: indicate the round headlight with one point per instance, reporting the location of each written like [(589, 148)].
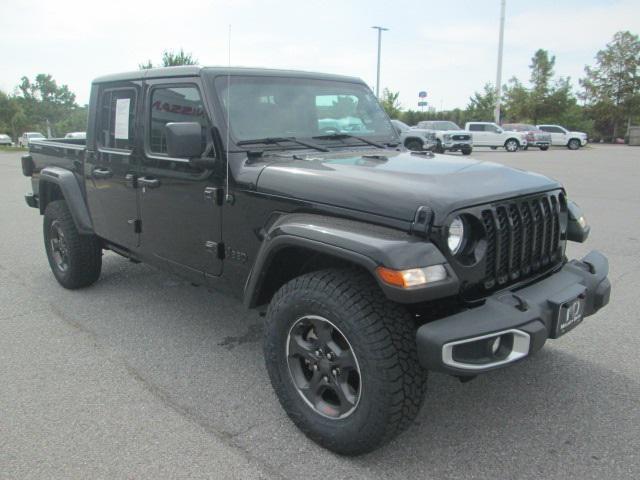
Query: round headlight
[(456, 235)]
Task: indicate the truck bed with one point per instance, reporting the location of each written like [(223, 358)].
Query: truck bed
[(58, 152)]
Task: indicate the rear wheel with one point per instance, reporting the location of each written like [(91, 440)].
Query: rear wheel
[(511, 145), (75, 260), (342, 360), (574, 144), (413, 144)]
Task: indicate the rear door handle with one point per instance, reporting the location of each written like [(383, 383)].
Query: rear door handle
[(102, 173), (149, 182)]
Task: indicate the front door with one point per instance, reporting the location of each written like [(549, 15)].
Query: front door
[(112, 162), (179, 203)]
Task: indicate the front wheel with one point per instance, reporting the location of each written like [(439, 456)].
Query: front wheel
[(439, 148), (75, 259), (414, 145), (574, 144), (467, 151), (544, 149), (511, 145), (342, 360)]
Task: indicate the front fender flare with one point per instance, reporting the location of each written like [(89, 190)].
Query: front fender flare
[(362, 244), (66, 181)]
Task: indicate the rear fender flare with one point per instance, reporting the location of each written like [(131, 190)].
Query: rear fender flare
[(66, 181)]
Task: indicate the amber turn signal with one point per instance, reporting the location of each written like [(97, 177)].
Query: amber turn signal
[(413, 277)]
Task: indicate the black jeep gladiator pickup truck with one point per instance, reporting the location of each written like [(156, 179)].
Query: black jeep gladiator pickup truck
[(291, 191)]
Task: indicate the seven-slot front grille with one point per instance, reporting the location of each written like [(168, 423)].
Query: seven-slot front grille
[(523, 237), (460, 137)]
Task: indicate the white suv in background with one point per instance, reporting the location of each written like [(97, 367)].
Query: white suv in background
[(560, 136), (488, 134)]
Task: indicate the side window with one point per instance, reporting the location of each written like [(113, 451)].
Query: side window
[(116, 122), (173, 104), (476, 127)]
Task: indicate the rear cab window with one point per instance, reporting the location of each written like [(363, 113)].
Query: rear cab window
[(116, 119)]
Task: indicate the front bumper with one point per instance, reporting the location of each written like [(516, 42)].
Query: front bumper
[(458, 145), (539, 143), (525, 317)]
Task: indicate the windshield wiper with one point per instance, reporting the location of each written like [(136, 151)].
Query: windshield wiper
[(276, 140), (340, 136)]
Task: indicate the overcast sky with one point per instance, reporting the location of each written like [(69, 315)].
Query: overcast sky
[(445, 47)]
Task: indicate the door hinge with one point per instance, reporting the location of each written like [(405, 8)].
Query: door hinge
[(214, 247), (214, 194)]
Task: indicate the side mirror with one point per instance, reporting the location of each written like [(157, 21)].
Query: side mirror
[(578, 229), (184, 140)]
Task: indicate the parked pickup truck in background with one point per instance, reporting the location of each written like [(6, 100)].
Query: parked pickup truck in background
[(562, 137), (415, 138), (27, 137), (373, 265), (534, 136), (449, 136), (488, 134)]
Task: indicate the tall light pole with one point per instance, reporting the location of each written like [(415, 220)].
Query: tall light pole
[(499, 73), (380, 30)]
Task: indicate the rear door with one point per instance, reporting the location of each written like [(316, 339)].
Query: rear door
[(112, 161), (180, 204), (480, 135), (558, 137)]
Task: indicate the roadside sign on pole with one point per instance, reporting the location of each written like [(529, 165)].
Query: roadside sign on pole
[(422, 94), (422, 104)]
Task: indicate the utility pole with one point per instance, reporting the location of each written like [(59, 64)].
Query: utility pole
[(380, 30), (499, 72)]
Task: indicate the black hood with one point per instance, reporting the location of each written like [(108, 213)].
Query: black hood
[(394, 184)]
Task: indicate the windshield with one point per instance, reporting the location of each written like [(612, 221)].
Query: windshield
[(445, 126), (264, 107)]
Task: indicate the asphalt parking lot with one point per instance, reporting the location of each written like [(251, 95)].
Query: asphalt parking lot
[(144, 376)]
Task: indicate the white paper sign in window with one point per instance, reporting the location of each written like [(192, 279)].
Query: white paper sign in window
[(122, 118)]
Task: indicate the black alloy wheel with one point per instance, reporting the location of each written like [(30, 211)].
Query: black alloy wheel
[(323, 367)]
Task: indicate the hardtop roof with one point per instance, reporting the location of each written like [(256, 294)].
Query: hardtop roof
[(197, 70)]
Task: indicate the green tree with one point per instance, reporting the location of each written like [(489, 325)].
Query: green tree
[(482, 104), (611, 88), (516, 101), (44, 103), (390, 103), (541, 74), (171, 59)]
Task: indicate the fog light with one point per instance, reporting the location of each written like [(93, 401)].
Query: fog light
[(494, 344), (413, 277)]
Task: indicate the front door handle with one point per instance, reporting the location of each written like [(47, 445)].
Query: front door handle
[(102, 173), (149, 182)]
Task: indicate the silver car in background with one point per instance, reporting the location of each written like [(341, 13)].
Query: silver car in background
[(5, 140)]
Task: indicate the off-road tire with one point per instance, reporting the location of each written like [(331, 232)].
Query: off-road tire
[(574, 144), (84, 252), (382, 336), (414, 144)]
